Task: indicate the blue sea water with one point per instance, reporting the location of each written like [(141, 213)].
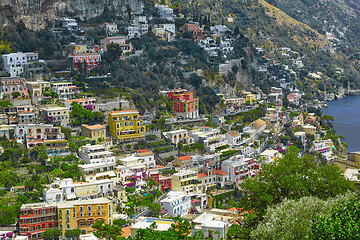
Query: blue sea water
[(346, 113)]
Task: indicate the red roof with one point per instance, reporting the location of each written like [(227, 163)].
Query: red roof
[(201, 175), (142, 150), (183, 158), (218, 172)]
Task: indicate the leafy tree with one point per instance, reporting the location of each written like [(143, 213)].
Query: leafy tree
[(292, 177), (155, 209), (120, 222), (82, 116), (106, 231), (5, 104), (73, 234), (8, 214), (292, 219), (113, 52), (51, 234), (342, 223)]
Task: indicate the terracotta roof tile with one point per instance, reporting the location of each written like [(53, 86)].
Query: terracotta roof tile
[(184, 158)]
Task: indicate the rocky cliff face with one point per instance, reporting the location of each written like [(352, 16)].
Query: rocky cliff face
[(35, 13)]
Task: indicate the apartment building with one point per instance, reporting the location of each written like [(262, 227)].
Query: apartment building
[(178, 136), (176, 203), (65, 90), (40, 134), (162, 176), (98, 171), (14, 63), (185, 104), (13, 87), (35, 218), (96, 154), (36, 88), (126, 125), (84, 62), (238, 168), (83, 214), (27, 117), (66, 189), (186, 181), (211, 138), (55, 115)]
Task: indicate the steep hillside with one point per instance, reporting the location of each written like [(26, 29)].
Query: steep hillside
[(337, 18), (35, 13), (261, 22)]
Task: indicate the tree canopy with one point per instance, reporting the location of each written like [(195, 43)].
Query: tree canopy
[(292, 177), (343, 222)]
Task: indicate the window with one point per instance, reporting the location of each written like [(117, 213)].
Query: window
[(98, 213), (89, 208), (81, 208), (67, 211)]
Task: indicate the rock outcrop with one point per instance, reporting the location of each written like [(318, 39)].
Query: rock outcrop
[(35, 13)]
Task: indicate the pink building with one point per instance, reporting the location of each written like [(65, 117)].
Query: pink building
[(121, 40), (85, 62), (11, 85)]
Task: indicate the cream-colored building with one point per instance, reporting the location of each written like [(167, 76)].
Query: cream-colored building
[(186, 181), (56, 115), (93, 132)]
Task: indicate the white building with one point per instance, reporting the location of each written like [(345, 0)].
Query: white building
[(234, 138), (210, 138), (70, 24), (165, 12), (65, 90), (14, 63), (212, 225), (270, 156), (142, 24), (66, 189), (239, 168), (96, 154), (133, 31), (255, 128), (324, 147), (176, 203), (39, 134), (180, 135)]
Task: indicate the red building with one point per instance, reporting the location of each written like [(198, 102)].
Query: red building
[(185, 104), (194, 29), (36, 218), (85, 62), (163, 179)]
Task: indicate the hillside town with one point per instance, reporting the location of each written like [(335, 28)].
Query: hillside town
[(113, 162)]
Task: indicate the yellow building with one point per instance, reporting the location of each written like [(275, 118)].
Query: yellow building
[(186, 181), (82, 214), (309, 129), (251, 98), (126, 125)]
